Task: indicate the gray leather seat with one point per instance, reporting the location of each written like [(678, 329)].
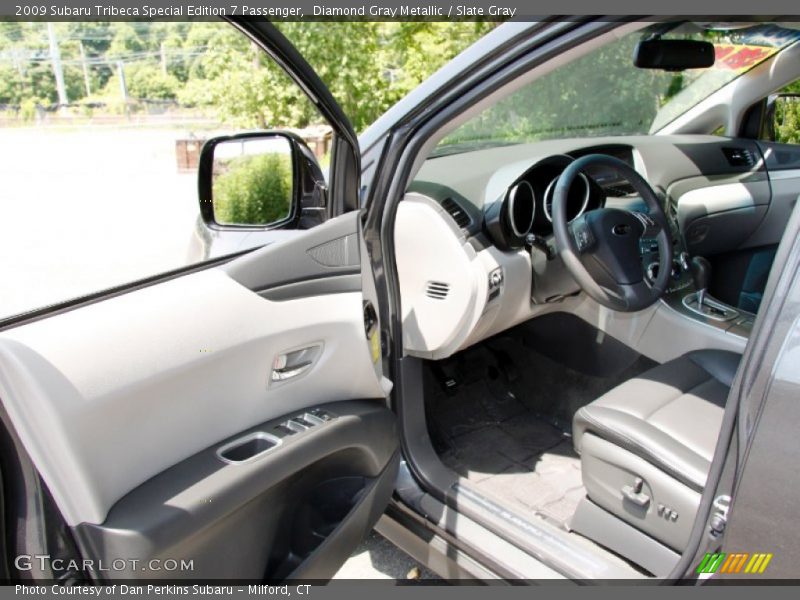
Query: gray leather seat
[(646, 446)]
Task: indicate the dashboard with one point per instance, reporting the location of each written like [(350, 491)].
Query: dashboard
[(474, 238)]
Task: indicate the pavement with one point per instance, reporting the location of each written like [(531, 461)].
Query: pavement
[(86, 209), (377, 558)]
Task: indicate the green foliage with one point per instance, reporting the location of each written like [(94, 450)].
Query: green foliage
[(126, 41), (787, 122), (11, 85), (368, 66), (597, 94), (27, 110), (149, 82), (253, 190)]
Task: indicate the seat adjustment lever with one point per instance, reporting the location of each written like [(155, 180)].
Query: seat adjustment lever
[(635, 494)]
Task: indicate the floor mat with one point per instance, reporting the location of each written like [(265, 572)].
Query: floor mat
[(518, 471), (488, 436), (503, 419)]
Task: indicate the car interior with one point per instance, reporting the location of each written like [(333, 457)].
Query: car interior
[(580, 257), (574, 307)]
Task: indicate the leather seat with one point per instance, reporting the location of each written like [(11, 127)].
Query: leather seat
[(646, 446)]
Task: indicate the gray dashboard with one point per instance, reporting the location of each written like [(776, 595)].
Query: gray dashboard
[(731, 172), (717, 194)]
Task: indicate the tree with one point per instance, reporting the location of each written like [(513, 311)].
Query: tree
[(11, 85), (368, 66), (148, 82)]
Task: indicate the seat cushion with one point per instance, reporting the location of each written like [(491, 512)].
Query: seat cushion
[(670, 416)]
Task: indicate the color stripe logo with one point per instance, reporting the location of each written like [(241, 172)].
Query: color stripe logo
[(739, 562)]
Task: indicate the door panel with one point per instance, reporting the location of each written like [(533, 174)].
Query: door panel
[(219, 513), (126, 402)]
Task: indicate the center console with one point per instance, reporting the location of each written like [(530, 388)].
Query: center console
[(686, 293)]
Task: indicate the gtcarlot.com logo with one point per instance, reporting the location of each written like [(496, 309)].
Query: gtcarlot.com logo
[(42, 562)]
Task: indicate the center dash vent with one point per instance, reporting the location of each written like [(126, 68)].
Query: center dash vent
[(437, 290), (454, 210), (739, 157)]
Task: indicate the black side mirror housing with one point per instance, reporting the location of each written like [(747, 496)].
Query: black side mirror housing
[(261, 180), (673, 55)]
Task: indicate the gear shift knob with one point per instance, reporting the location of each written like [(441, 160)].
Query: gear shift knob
[(701, 274)]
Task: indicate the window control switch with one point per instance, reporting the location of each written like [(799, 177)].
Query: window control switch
[(282, 430), (295, 425)]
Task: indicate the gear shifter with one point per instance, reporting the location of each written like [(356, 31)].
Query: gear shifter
[(701, 274), (707, 306)]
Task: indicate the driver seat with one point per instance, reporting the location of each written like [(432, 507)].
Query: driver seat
[(646, 449)]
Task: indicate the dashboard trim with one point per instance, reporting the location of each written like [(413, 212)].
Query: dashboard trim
[(512, 197), (586, 197)]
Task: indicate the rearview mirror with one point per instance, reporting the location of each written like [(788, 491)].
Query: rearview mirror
[(264, 179), (673, 55)]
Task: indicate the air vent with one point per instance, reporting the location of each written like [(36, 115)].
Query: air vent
[(454, 210), (739, 157), (437, 290)]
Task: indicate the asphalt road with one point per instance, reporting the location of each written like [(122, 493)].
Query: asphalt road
[(83, 210)]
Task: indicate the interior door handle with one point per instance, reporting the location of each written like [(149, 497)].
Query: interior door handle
[(289, 372), (288, 365)]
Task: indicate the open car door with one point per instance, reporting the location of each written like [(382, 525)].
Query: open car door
[(228, 421)]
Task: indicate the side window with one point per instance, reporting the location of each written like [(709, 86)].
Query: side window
[(102, 127)]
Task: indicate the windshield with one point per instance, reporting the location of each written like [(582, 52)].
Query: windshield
[(602, 93)]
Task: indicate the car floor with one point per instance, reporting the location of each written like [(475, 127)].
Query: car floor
[(503, 421)]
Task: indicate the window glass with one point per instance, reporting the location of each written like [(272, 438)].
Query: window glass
[(99, 148), (603, 93)]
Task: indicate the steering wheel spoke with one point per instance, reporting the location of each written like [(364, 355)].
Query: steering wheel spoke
[(582, 235), (651, 227)]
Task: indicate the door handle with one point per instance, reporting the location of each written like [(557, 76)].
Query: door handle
[(289, 372), (288, 365)]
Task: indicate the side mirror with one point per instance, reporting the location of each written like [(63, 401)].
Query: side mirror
[(260, 180), (782, 119)]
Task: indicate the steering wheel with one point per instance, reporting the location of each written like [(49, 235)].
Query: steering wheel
[(601, 247)]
